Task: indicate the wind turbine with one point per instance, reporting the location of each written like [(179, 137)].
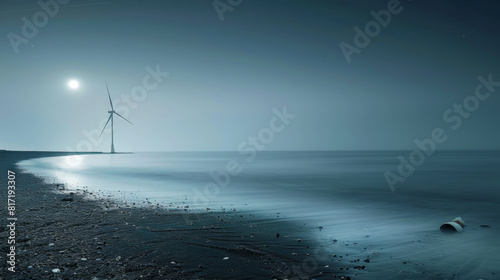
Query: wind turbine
[(111, 113)]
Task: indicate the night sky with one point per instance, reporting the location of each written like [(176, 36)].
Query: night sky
[(222, 67)]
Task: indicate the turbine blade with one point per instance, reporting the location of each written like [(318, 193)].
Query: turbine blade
[(112, 109), (105, 124), (123, 118)]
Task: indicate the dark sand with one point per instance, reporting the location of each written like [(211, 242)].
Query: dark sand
[(97, 239)]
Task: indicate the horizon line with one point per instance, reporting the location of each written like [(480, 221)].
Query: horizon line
[(305, 150)]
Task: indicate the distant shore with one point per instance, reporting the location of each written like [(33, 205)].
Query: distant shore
[(66, 236)]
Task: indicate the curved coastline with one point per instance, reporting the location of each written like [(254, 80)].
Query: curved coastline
[(82, 239)]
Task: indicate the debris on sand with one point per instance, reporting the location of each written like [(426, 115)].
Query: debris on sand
[(456, 225)]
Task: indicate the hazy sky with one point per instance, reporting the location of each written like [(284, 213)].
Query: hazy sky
[(226, 76)]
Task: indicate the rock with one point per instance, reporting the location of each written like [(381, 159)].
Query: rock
[(367, 260), (225, 258), (56, 270)]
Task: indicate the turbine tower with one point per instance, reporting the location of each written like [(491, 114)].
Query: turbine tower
[(111, 113)]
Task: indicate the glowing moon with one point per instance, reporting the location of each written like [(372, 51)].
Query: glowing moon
[(73, 84)]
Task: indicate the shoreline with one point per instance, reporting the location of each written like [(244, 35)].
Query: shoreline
[(82, 239), (91, 236)]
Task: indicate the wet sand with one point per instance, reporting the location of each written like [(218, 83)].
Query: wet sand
[(82, 238)]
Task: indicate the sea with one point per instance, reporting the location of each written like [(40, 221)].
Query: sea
[(387, 200)]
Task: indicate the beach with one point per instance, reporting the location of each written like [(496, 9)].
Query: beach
[(97, 239), (87, 233)]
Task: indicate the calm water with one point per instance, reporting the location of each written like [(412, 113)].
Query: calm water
[(318, 175), (315, 183), (345, 193)]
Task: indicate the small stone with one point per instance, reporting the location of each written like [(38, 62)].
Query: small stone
[(118, 258), (225, 258), (51, 244), (367, 260), (56, 270)]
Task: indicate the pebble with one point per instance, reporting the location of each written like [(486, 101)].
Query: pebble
[(56, 270), (226, 258)]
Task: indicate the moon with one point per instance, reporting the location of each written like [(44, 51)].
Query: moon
[(73, 84)]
